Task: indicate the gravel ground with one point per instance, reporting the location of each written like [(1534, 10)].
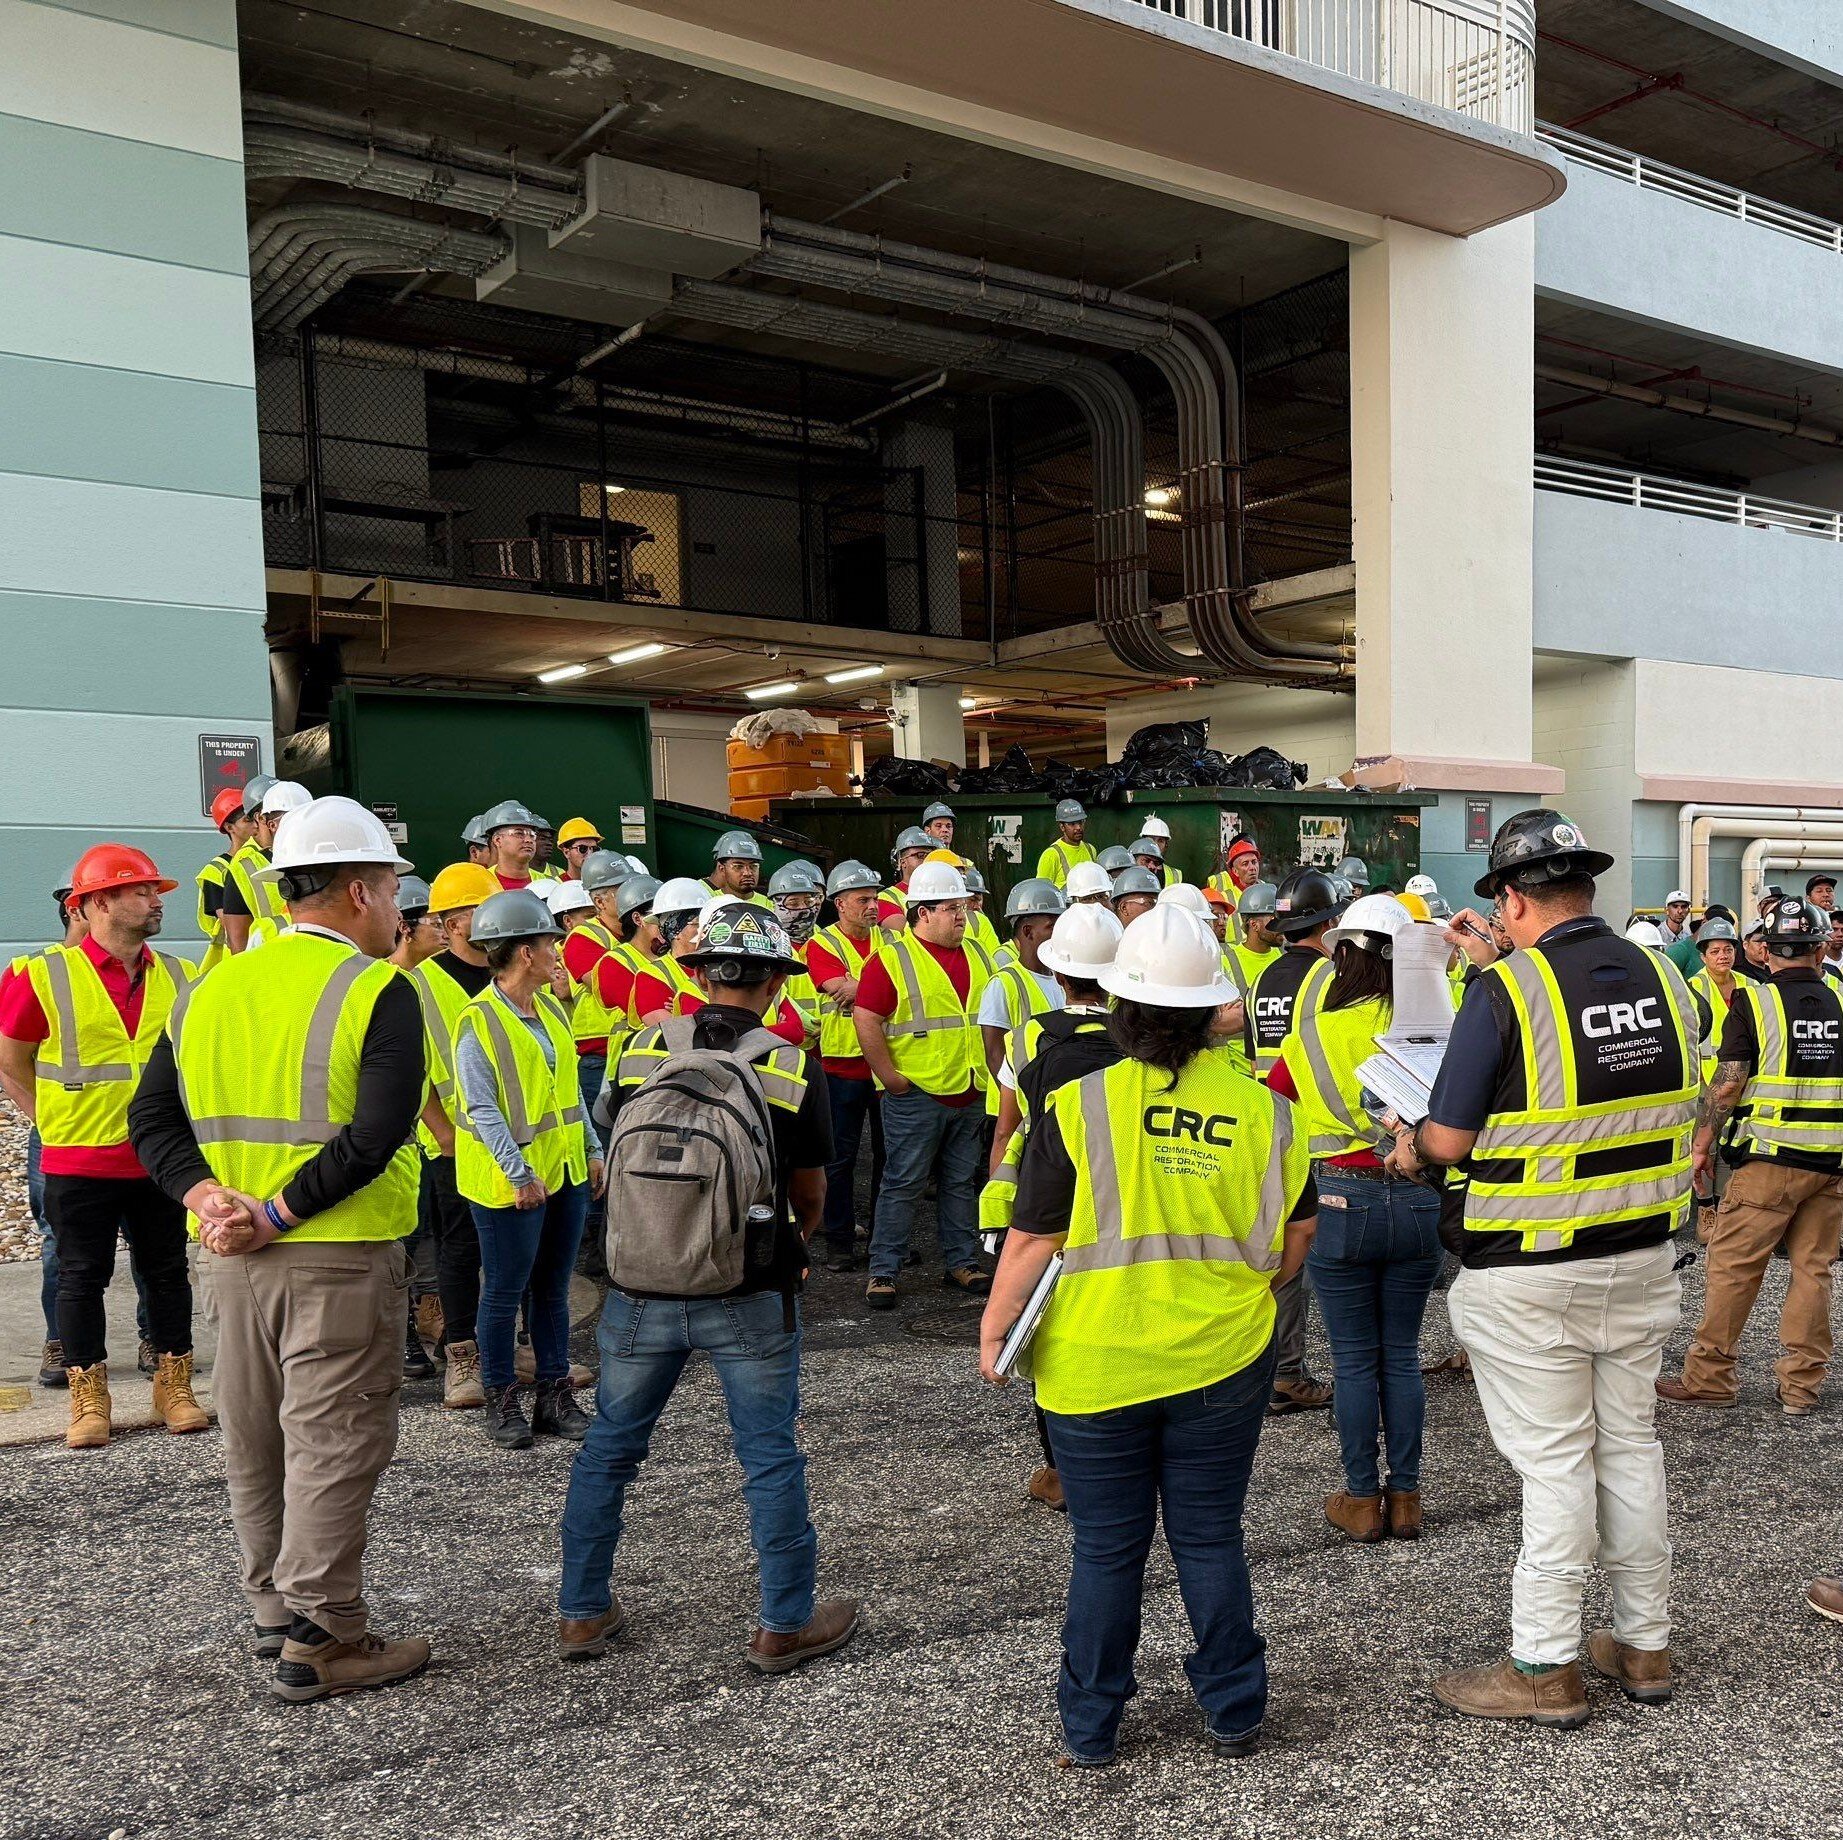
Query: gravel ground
[(18, 1235), (131, 1708)]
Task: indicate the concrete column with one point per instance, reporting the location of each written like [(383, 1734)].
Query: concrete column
[(1441, 336), (927, 722)]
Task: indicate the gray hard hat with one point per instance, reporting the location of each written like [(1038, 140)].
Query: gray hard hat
[(473, 832), (508, 814), (795, 878), (850, 876), (936, 810), (1346, 888), (636, 891), (412, 895), (1355, 871), (605, 869), (1035, 896), (1713, 932), (1146, 846), (740, 933), (811, 867), (736, 846), (1070, 811), (252, 793), (911, 837), (1115, 858), (513, 913), (1257, 899), (1135, 881), (975, 882), (539, 823)]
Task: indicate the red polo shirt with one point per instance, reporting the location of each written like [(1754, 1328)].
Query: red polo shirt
[(512, 881), (22, 1017), (580, 952), (822, 966), (893, 910)]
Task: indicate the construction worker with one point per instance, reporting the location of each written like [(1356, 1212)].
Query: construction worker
[(291, 1145), (916, 1014), (546, 852), (1089, 885), (835, 959), (662, 982), (797, 891), (419, 933), (1149, 854), (1355, 871), (912, 848), (77, 1026), (1821, 891), (253, 911), (980, 931), (1674, 926), (1241, 867), (1022, 988), (1113, 859), (736, 870), (1071, 845), (577, 842), (1778, 1085), (1833, 947), (1258, 945), (1713, 987), (419, 938), (592, 930), (1135, 891), (475, 841), (938, 822), (235, 826), (1568, 1291), (1170, 1184), (625, 911), (511, 832)]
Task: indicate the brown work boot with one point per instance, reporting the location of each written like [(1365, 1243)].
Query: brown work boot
[(524, 1363), (1501, 1691), (967, 1278), (1404, 1509), (1794, 1408), (584, 1638), (174, 1400), (147, 1360), (1825, 1596), (1302, 1395), (89, 1407), (1641, 1674), (462, 1389), (51, 1366), (832, 1624), (1458, 1362), (1359, 1517), (581, 1376), (1678, 1394), (318, 1670), (429, 1319), (1046, 1486)]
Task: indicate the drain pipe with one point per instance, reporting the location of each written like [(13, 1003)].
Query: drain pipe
[(1767, 853), (1751, 820)]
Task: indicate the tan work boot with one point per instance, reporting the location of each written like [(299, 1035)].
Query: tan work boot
[(174, 1401), (1825, 1596), (462, 1389), (1641, 1674), (1404, 1510), (429, 1319), (584, 1638), (832, 1624), (1046, 1486), (90, 1407), (524, 1363), (1500, 1691), (1358, 1517), (320, 1670), (1301, 1395)]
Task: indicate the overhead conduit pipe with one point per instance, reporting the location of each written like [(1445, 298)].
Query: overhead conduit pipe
[(1765, 854), (1698, 823)]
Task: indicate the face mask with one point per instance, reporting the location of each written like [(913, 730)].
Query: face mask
[(799, 925)]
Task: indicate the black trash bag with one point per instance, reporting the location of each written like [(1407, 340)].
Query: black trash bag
[(1169, 776), (1014, 773), (1097, 785), (1162, 741), (895, 778), (1264, 766), (1212, 767)]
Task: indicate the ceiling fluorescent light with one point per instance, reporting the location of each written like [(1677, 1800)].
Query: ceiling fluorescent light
[(634, 653), (762, 692), (855, 675), (561, 672)]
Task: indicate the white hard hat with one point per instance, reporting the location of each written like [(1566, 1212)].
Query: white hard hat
[(1156, 827), (1188, 896), (1086, 880), (934, 881), (1367, 917), (638, 867), (681, 895), (1677, 894), (1083, 941), (1423, 885), (567, 896), (285, 795), (1644, 933), (324, 832), (1169, 959)]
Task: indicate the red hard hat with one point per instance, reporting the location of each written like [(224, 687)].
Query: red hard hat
[(115, 865), (226, 806), (1243, 846)]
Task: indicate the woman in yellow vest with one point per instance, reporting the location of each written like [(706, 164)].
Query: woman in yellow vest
[(526, 1161), (1168, 1183), (1377, 1250), (1713, 986)]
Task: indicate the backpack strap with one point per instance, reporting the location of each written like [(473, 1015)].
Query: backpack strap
[(677, 1032)]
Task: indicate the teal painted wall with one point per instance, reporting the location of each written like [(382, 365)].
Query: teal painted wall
[(131, 583)]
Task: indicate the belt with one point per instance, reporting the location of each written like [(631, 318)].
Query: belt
[(1356, 1172)]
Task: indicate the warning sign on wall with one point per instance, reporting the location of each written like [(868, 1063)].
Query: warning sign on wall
[(226, 763)]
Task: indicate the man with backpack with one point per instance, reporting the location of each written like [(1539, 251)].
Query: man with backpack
[(719, 1137)]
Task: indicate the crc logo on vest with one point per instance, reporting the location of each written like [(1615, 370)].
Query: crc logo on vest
[(1178, 1121), (1813, 1031), (1607, 1019)]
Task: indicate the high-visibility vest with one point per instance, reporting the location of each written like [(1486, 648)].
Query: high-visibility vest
[(1245, 964), (1703, 985), (1224, 883), (540, 1102), (781, 1074), (1056, 862), (677, 980), (934, 1037), (1785, 1107), (1182, 1193), (214, 875), (757, 899), (838, 1036), (268, 911), (998, 1197), (268, 1054), (1285, 989), (1322, 1052), (590, 1018), (442, 997), (88, 1065), (979, 928), (1024, 999), (1541, 1171)]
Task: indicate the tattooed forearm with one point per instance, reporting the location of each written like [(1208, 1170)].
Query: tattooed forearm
[(1721, 1095)]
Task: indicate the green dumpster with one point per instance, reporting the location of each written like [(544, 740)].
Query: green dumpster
[(688, 837)]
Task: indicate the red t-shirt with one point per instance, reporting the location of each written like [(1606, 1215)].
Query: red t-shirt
[(822, 967), (512, 881), (580, 951), (1280, 1080), (651, 993), (877, 994), (614, 980), (22, 1017), (892, 910)]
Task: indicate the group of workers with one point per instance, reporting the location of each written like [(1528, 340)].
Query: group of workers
[(1153, 1083)]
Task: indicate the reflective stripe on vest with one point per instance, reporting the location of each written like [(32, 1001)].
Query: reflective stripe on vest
[(838, 1036), (677, 980), (1322, 1054), (540, 1102), (1024, 999), (263, 898), (933, 1037), (441, 999), (213, 875), (1782, 1110), (781, 1075), (1311, 990), (1703, 983), (1553, 1201), (590, 1018)]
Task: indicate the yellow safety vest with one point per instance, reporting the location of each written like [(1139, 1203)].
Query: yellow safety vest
[(979, 928), (88, 1066), (1182, 1194), (1553, 1199), (1024, 999), (268, 1056), (998, 1197), (590, 1018), (1322, 1052), (541, 1103), (1224, 883), (677, 980), (1780, 1109), (214, 875), (1710, 991), (757, 899), (781, 1073), (268, 911), (838, 1036), (1245, 965), (934, 1037), (442, 997), (1056, 862)]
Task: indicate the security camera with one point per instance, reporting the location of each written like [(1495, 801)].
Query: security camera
[(771, 651)]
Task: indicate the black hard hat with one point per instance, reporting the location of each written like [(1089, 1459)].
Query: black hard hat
[(1823, 879), (1794, 927), (741, 934), (1537, 846), (1306, 900)]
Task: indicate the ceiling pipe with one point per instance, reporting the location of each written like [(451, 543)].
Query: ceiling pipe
[(875, 192), (1765, 854), (1689, 405), (925, 386), (1697, 823)]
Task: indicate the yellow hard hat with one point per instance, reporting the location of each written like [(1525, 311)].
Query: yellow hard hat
[(1415, 905), (952, 858), (461, 885), (578, 828)]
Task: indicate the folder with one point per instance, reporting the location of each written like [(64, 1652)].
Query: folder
[(1027, 1324)]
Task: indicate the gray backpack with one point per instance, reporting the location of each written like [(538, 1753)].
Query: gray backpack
[(692, 1154)]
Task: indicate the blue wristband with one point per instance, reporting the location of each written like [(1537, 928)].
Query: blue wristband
[(275, 1218)]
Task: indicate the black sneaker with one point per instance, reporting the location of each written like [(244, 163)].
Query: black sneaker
[(51, 1365), (416, 1362), (1243, 1746), (555, 1413), (506, 1423), (841, 1258), (269, 1640)]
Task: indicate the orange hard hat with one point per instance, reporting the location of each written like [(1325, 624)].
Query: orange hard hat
[(1216, 898), (225, 806), (115, 865)]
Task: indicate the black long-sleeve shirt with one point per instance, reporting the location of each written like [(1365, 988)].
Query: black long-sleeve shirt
[(391, 1074)]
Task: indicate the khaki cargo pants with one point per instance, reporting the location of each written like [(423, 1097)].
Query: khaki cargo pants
[(309, 1365)]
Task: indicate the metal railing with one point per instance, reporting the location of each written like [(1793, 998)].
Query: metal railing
[(1655, 492), (1476, 57), (1710, 194)]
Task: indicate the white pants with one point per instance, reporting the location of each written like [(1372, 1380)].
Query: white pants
[(1566, 1358)]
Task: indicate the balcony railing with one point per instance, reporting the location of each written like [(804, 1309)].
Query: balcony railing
[(1476, 57), (1654, 492), (1710, 194)]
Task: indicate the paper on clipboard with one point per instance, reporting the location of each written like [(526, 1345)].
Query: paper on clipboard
[(1027, 1324)]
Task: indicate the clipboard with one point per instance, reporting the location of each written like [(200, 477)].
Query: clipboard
[(1027, 1324)]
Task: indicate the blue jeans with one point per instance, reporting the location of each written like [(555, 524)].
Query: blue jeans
[(923, 1138), (48, 1248), (591, 1070), (854, 1103), (645, 1343), (1189, 1455), (528, 1249), (1372, 1265)]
